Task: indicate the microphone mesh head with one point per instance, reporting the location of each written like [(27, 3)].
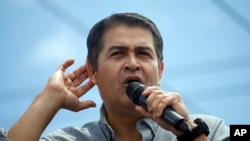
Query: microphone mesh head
[(134, 91)]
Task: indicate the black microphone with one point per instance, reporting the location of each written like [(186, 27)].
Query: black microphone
[(134, 91)]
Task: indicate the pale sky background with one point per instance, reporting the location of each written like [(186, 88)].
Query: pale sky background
[(206, 52)]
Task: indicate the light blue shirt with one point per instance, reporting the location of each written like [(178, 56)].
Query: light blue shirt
[(150, 130), (101, 131)]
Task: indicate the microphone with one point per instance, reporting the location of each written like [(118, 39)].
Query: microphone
[(134, 91)]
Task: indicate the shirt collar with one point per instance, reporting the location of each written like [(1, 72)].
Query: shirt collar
[(146, 127), (104, 119)]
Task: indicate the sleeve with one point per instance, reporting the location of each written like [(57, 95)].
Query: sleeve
[(3, 135), (220, 131), (68, 134)]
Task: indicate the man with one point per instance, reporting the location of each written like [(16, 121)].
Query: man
[(122, 48)]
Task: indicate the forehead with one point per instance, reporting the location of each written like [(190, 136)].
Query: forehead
[(128, 36)]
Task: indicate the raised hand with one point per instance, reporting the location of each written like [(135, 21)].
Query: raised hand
[(68, 87), (62, 91)]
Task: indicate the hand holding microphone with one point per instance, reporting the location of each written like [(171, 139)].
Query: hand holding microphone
[(134, 91)]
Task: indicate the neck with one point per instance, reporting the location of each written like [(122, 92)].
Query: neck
[(124, 124)]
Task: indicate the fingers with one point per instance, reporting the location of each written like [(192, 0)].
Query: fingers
[(84, 88), (79, 75), (158, 100), (66, 64), (143, 111), (75, 77), (69, 91), (58, 77)]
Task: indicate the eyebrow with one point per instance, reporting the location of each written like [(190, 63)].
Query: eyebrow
[(143, 48), (118, 47), (137, 48)]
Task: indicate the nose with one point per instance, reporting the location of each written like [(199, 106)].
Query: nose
[(132, 64)]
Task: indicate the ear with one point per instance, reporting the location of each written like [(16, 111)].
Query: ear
[(91, 72), (161, 68)]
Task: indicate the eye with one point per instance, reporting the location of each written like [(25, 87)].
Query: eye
[(117, 53), (144, 54)]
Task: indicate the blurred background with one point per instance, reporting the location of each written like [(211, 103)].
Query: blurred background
[(206, 52)]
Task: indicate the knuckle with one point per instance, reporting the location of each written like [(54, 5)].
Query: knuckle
[(177, 95)]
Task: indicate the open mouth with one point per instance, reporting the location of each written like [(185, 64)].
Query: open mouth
[(132, 79)]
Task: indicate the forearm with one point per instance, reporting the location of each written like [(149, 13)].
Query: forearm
[(31, 125)]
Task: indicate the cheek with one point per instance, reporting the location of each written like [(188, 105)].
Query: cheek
[(106, 72), (152, 72)]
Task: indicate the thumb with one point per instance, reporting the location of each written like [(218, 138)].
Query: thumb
[(143, 111), (85, 105)]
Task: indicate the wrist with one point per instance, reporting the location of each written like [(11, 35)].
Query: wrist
[(199, 131), (51, 97)]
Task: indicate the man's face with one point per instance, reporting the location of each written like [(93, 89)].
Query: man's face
[(128, 54)]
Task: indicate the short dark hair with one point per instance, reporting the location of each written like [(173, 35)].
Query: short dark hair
[(95, 37)]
